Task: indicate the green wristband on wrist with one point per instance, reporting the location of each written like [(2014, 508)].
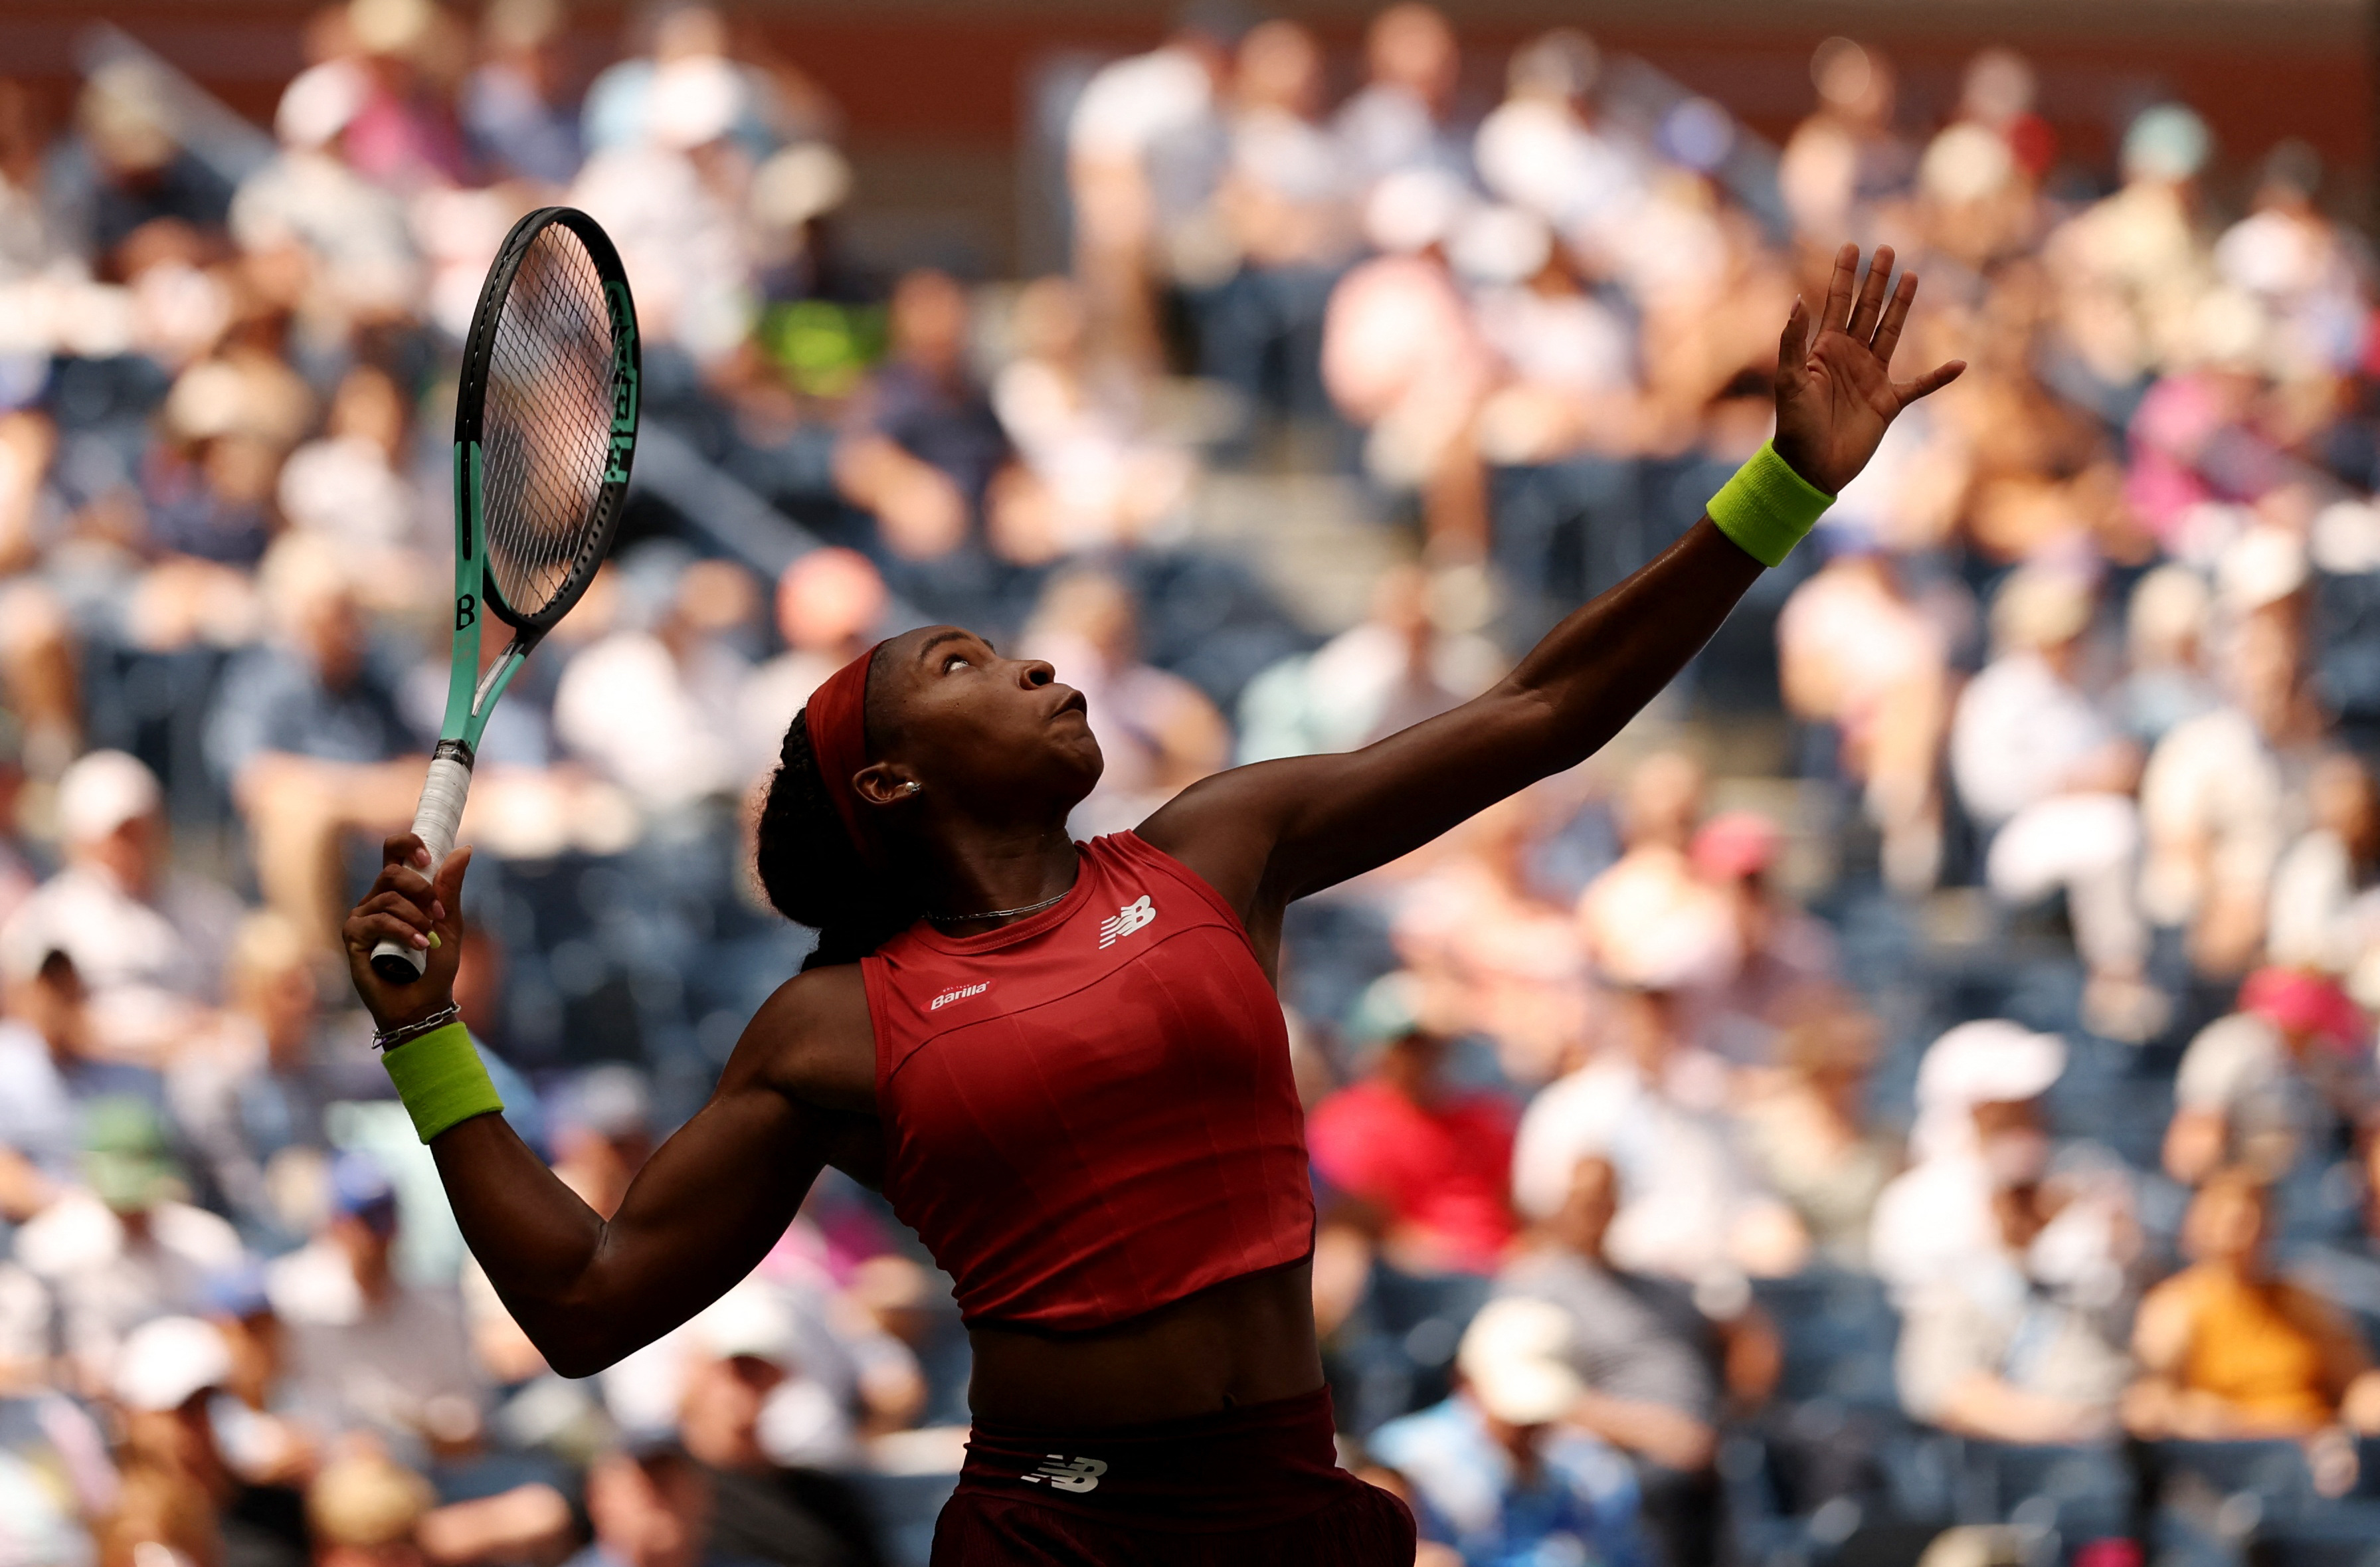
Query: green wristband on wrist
[(440, 1079), (1766, 507)]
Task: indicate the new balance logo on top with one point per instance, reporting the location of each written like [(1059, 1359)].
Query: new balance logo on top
[(1127, 920), (959, 994), (1068, 1473)]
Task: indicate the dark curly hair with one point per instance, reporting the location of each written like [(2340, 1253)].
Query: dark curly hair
[(811, 870)]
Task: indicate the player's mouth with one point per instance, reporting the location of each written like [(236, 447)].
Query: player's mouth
[(1072, 702)]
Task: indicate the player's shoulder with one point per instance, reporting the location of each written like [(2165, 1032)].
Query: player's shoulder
[(812, 1039)]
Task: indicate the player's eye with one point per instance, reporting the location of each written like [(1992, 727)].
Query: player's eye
[(956, 661)]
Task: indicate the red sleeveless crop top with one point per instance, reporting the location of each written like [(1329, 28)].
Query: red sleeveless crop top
[(1088, 1114)]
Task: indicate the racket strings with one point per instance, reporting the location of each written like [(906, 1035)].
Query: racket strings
[(546, 437)]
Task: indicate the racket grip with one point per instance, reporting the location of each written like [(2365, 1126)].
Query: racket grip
[(435, 822)]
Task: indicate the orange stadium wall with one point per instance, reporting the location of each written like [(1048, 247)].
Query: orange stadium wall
[(936, 94)]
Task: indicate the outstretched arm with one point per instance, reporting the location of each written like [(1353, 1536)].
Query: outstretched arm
[(1265, 834), (795, 1097)]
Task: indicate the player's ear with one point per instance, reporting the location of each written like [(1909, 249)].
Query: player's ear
[(885, 784)]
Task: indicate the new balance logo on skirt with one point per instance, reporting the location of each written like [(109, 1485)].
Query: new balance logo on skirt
[(1069, 1473), (1127, 920)]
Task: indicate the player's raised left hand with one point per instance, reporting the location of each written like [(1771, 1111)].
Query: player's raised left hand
[(1835, 394)]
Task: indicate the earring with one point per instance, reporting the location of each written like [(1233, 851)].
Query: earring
[(911, 787)]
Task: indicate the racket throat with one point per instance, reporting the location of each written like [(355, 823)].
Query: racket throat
[(499, 675)]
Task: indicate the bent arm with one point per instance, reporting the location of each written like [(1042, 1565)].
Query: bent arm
[(796, 1095), (1280, 829)]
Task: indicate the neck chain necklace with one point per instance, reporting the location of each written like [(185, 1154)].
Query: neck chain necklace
[(997, 913)]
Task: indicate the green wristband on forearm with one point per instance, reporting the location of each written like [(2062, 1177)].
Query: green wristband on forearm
[(1767, 507), (441, 1080)]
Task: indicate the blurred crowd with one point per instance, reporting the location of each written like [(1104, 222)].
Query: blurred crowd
[(1918, 1088)]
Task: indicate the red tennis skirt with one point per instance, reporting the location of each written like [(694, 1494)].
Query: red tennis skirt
[(1254, 1487)]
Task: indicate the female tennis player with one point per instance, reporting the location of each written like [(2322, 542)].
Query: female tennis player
[(1063, 1062)]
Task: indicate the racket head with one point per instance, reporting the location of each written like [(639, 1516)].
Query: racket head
[(548, 405)]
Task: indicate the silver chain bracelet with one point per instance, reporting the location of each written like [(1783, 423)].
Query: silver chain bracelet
[(386, 1039)]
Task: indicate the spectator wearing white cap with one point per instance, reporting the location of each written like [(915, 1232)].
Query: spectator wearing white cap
[(2049, 777), (743, 1389), (1499, 1472), (167, 1377), (147, 938), (1979, 1090)]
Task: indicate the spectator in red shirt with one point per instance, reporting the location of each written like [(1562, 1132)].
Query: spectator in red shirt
[(1433, 1160)]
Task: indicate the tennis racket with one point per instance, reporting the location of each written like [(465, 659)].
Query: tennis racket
[(545, 426)]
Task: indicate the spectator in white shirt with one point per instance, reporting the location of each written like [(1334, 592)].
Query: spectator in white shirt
[(2040, 767), (2273, 1082), (1978, 1129), (147, 939), (2325, 906)]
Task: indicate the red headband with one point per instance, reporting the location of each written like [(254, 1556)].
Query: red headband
[(838, 726)]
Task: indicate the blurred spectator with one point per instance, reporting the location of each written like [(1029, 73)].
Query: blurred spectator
[(1542, 149), (2228, 1349), (2286, 1078), (2006, 1349), (1287, 205), (765, 1435), (515, 107), (603, 1134), (2325, 915), (2037, 766), (1856, 653), (1494, 1470), (349, 486), (1091, 476), (364, 1508), (250, 1097), (1404, 118), (344, 237), (674, 197), (125, 167), (122, 1248), (1846, 160), (2166, 681), (1145, 147), (51, 1068), (650, 1507), (1978, 1130), (2134, 267), (2213, 797), (1655, 1108), (1430, 1157), (366, 1350), (1158, 733), (1408, 660), (830, 605), (147, 938), (1656, 1363), (1787, 967), (168, 1375), (921, 445), (1809, 1137), (305, 732), (2290, 257), (657, 710), (1491, 947), (1403, 357)]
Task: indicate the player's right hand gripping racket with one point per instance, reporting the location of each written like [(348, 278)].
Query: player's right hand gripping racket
[(545, 426)]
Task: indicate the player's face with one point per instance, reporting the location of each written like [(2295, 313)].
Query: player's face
[(999, 732)]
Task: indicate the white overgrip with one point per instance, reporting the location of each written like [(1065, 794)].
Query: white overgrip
[(435, 822)]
